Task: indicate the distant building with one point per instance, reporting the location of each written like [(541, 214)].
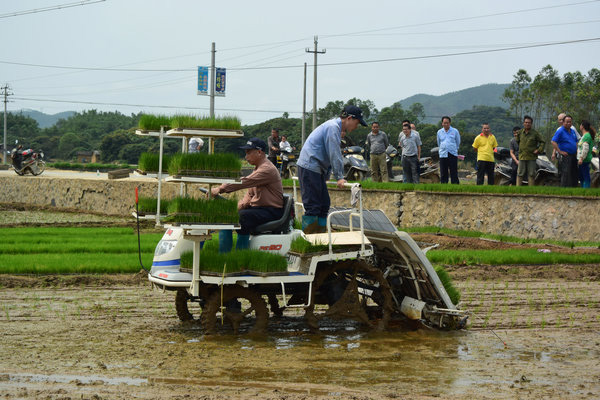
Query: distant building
[(85, 157)]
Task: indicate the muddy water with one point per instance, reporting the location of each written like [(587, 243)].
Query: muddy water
[(124, 341)]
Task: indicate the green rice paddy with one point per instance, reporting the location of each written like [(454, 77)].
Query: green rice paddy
[(74, 250), (508, 257)]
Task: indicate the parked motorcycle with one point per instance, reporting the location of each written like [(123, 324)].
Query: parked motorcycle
[(430, 167), (391, 153), (27, 161), (546, 173), (595, 173), (355, 165), (286, 162)]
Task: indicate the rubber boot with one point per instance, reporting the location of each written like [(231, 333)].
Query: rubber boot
[(243, 242), (519, 181), (225, 241), (309, 224), (322, 225)]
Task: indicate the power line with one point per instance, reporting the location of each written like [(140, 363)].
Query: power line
[(51, 8), (462, 19), (151, 106)]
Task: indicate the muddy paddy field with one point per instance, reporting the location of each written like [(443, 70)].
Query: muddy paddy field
[(534, 332)]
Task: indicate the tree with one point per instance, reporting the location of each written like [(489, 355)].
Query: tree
[(517, 95), (68, 143)]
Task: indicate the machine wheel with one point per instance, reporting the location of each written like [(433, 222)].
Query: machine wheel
[(182, 300), (274, 305), (357, 284), (235, 317), (20, 173)]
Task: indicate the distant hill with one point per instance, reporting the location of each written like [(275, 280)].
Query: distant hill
[(45, 120), (454, 102)]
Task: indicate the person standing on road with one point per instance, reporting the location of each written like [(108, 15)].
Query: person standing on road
[(273, 143), (564, 143), (484, 144), (514, 154), (319, 157), (448, 140), (530, 144), (411, 153), (378, 142), (584, 152)]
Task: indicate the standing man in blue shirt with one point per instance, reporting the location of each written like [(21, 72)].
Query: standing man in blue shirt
[(319, 157), (448, 140), (564, 143)]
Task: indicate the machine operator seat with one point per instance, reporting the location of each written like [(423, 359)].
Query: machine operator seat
[(281, 225)]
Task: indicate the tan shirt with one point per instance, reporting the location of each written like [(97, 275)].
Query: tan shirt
[(264, 187)]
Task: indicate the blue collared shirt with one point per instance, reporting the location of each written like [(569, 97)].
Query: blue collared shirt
[(566, 141), (448, 142), (321, 152)]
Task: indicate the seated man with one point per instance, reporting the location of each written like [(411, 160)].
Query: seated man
[(263, 202)]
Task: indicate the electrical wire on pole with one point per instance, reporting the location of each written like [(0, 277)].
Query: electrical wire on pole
[(315, 52)]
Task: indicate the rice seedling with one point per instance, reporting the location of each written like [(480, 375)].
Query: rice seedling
[(236, 261), (147, 205), (149, 162), (221, 165), (150, 122), (303, 246), (227, 122), (515, 256), (453, 293), (211, 211)]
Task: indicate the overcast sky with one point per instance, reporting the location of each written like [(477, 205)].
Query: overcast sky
[(369, 46)]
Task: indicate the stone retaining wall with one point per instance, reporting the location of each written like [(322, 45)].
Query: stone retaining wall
[(545, 217)]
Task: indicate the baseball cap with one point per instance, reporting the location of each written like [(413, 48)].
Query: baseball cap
[(255, 143), (354, 112)]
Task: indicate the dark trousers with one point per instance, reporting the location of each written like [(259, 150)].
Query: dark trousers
[(252, 217), (569, 171), (315, 196), (513, 172), (584, 174), (410, 169), (485, 168), (449, 163)]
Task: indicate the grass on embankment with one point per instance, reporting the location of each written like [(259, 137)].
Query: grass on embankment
[(508, 257), (74, 250), (486, 189), (500, 238)]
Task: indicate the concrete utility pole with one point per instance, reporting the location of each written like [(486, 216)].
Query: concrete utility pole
[(5, 90), (304, 108), (315, 52), (213, 72)]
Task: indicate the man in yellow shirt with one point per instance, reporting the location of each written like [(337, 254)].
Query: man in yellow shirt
[(484, 145)]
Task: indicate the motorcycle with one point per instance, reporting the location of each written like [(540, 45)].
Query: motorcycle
[(429, 167), (355, 165), (391, 153), (595, 173), (27, 161), (286, 161), (546, 173)]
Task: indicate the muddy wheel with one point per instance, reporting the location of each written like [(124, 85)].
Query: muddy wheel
[(353, 290), (183, 302), (274, 305), (235, 315), (40, 167)]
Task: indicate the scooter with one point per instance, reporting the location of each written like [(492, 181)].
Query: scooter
[(27, 161), (391, 153), (546, 173), (595, 173), (355, 165), (430, 167), (286, 161)]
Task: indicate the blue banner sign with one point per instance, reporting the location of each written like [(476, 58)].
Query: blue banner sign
[(203, 80), (220, 82)]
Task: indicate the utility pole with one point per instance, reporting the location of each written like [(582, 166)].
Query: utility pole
[(213, 72), (304, 108), (315, 52), (5, 92)]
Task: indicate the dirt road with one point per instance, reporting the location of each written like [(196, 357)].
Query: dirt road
[(114, 338)]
